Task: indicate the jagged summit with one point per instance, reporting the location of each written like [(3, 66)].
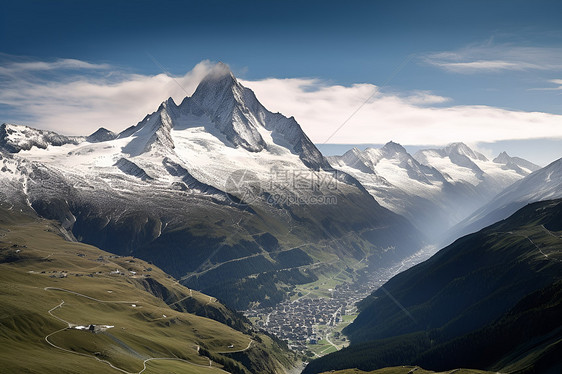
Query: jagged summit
[(229, 112), (217, 82), (168, 104), (101, 135), (503, 158), (393, 148), (230, 107), (354, 158), (219, 88), (463, 150), (515, 163)]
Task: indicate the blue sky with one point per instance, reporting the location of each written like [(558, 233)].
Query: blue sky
[(505, 55)]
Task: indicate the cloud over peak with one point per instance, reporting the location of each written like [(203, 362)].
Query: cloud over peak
[(95, 95)]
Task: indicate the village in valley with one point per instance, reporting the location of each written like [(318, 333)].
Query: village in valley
[(312, 323)]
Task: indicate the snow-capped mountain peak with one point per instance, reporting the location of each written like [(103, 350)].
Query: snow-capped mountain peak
[(153, 132), (101, 135), (455, 161), (223, 104), (218, 85), (354, 159), (503, 158), (462, 149), (436, 187), (518, 164), (222, 99), (394, 148)]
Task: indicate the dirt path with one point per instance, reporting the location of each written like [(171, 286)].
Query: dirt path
[(70, 325), (89, 297)]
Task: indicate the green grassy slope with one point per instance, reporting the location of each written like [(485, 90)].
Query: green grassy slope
[(49, 286), (491, 300), (407, 370)]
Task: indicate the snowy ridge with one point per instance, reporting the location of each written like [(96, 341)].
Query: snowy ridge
[(436, 188), (542, 184), (458, 163), (521, 166), (15, 138)]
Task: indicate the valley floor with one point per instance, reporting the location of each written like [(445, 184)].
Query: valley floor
[(312, 322)]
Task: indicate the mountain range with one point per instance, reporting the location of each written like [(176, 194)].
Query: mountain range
[(543, 184), (233, 199), (435, 188), (236, 202)]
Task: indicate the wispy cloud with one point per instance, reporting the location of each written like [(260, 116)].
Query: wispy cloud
[(59, 64), (82, 102), (554, 81), (79, 102), (491, 57)]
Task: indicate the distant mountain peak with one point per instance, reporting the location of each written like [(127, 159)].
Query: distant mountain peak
[(101, 135), (515, 163), (502, 155), (503, 158), (394, 147), (464, 150)]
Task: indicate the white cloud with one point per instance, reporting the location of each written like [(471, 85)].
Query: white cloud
[(490, 57), (322, 108), (488, 65), (80, 104), (67, 63), (425, 98), (83, 102), (555, 81)]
